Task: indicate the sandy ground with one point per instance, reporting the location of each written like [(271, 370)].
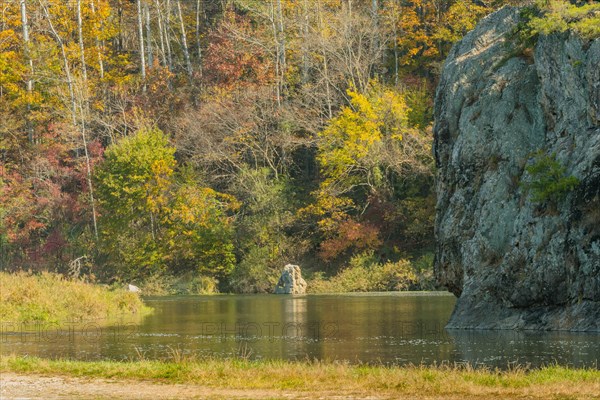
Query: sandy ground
[(15, 386), (30, 386)]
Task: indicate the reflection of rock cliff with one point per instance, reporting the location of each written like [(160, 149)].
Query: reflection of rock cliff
[(516, 263), (291, 281), (503, 348)]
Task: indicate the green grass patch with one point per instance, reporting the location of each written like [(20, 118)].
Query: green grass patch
[(325, 376), (49, 298)]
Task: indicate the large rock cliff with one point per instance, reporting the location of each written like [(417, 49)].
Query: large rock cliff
[(513, 262)]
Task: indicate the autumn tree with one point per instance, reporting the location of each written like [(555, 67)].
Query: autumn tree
[(268, 107), (368, 154), (156, 220)]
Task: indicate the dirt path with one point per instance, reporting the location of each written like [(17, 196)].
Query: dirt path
[(31, 386), (15, 386)]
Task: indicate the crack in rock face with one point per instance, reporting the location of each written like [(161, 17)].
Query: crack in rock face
[(515, 263)]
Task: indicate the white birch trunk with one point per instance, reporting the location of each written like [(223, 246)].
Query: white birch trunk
[(68, 75), (305, 29), (161, 33), (168, 37), (99, 45), (148, 36), (81, 44), (186, 51), (198, 42), (141, 41), (29, 61), (278, 66), (325, 64)]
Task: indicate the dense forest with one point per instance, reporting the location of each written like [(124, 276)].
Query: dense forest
[(220, 138)]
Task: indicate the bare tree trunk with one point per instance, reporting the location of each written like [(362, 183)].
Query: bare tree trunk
[(99, 45), (148, 36), (29, 83), (66, 66), (376, 28), (396, 50), (161, 33), (89, 174), (152, 229), (141, 41), (167, 36), (281, 36), (3, 19), (198, 42), (325, 65), (69, 77), (278, 66), (305, 28), (186, 52), (121, 28), (81, 45)]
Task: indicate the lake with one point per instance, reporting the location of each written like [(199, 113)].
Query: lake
[(389, 328)]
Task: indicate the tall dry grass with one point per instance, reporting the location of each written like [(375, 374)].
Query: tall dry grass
[(316, 379), (49, 297)]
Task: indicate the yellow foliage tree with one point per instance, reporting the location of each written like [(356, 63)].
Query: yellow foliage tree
[(352, 145), (362, 151)]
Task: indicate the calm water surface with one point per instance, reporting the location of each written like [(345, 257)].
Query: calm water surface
[(391, 328)]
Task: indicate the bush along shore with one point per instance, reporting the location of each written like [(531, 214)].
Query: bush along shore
[(269, 379), (48, 297), (365, 274)]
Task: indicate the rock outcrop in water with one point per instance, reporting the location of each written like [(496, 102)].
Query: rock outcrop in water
[(513, 262), (291, 281)]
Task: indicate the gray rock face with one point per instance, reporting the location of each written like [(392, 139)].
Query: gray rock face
[(512, 262), (291, 281)]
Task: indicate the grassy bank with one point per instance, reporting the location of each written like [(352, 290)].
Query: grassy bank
[(319, 377), (50, 298)]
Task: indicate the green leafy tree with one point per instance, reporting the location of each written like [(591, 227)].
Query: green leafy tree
[(261, 242), (561, 15), (154, 221), (548, 180), (199, 231), (132, 186)]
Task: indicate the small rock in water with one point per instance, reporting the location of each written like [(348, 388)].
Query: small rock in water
[(133, 288), (291, 281)]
